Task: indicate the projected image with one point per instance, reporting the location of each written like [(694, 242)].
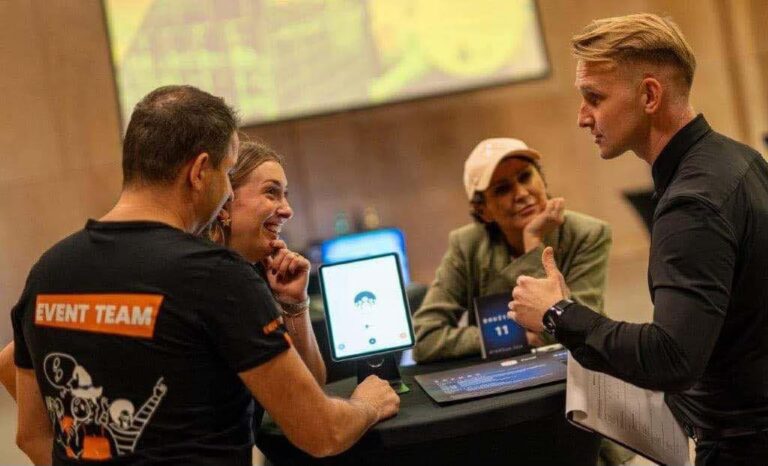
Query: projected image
[(278, 59)]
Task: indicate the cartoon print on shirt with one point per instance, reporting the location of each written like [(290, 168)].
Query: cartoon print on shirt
[(55, 409), (125, 425), (93, 428)]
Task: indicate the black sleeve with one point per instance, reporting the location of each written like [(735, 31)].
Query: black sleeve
[(21, 356), (693, 255), (241, 316)]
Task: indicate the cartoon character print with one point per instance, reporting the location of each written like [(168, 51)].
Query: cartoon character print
[(93, 428), (125, 423)]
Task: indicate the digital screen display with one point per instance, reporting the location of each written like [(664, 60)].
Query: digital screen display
[(500, 336), (366, 309), (491, 378), (367, 244), (281, 59)]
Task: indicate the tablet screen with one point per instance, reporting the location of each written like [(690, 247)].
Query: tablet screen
[(500, 336), (366, 309)]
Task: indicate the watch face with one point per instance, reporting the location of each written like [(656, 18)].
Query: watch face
[(549, 321)]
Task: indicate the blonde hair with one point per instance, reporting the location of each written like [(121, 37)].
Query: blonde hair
[(250, 156), (640, 37)]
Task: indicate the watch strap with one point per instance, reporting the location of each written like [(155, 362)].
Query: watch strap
[(552, 315)]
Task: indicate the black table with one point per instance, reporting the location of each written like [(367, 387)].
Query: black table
[(526, 427)]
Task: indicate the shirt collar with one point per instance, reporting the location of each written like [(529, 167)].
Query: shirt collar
[(668, 160)]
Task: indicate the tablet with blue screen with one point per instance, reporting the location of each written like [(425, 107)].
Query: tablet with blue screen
[(495, 377), (500, 336)]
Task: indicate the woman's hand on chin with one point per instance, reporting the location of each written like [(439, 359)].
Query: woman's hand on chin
[(545, 222), (287, 273)]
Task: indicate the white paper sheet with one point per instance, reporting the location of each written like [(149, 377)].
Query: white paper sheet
[(633, 416)]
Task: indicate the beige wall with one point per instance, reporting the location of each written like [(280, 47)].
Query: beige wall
[(406, 159), (59, 129)]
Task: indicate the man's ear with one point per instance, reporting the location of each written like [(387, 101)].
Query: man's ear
[(198, 171), (651, 94)]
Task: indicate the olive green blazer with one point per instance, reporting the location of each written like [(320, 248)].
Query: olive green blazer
[(479, 263)]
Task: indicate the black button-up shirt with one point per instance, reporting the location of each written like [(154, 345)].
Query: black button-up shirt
[(707, 346)]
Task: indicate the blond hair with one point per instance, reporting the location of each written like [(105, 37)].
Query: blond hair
[(250, 156), (643, 37)]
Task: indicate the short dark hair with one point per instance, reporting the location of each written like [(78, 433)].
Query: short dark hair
[(169, 127)]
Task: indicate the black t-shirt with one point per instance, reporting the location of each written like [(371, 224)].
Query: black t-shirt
[(136, 332)]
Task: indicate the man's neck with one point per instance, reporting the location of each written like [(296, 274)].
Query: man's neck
[(155, 204), (662, 130)]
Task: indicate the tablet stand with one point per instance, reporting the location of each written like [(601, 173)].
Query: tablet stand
[(383, 366)]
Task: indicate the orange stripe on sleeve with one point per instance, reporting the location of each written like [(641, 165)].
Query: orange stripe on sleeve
[(271, 327)]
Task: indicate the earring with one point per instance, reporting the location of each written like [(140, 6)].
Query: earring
[(225, 222)]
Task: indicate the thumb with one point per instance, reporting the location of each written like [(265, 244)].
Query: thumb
[(548, 261)]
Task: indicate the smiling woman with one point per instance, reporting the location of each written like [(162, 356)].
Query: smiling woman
[(251, 224), (254, 218)]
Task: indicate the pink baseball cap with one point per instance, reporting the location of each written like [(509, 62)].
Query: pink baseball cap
[(481, 163)]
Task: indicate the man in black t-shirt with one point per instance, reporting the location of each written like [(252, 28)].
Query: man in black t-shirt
[(137, 342)]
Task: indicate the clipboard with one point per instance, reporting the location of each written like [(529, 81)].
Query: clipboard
[(634, 417)]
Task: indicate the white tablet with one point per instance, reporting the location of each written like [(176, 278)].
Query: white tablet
[(366, 308)]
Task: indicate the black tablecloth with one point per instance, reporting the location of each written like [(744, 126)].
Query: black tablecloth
[(526, 427)]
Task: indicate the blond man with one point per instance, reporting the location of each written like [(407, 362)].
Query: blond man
[(707, 346)]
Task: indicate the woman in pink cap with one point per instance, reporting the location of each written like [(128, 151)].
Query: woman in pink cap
[(514, 220)]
